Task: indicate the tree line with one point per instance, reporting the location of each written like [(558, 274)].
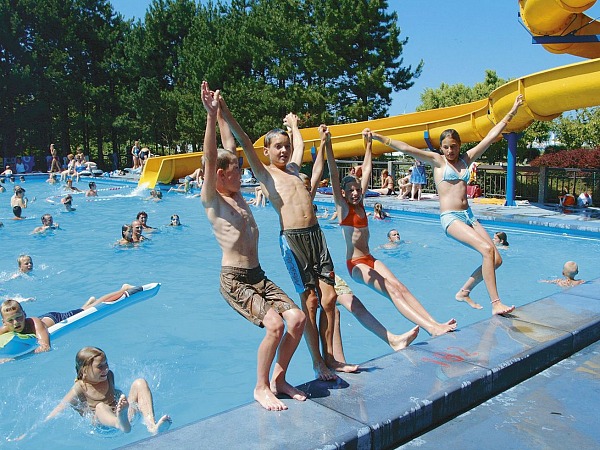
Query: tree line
[(77, 74)]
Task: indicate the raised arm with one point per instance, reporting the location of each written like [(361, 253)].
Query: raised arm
[(256, 164), (367, 165), (210, 100), (493, 134), (318, 166), (423, 155), (227, 138), (291, 122), (333, 173)]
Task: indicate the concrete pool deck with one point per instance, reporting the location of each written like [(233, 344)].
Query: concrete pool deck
[(399, 397)]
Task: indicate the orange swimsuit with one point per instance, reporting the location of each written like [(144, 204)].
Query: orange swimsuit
[(354, 220)]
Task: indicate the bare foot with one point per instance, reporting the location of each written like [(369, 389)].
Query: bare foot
[(443, 328), (463, 296), (398, 342), (89, 302), (163, 424), (323, 373), (342, 366), (500, 308), (267, 399), (283, 387), (121, 411)]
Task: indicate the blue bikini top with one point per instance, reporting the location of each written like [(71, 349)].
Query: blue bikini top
[(452, 175)]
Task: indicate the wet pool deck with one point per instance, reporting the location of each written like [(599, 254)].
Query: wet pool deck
[(402, 397)]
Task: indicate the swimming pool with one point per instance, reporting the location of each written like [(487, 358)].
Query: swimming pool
[(198, 356)]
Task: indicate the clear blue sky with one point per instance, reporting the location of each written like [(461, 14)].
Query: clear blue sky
[(457, 40)]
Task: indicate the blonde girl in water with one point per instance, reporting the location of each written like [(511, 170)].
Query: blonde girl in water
[(94, 394), (451, 175), (362, 266)]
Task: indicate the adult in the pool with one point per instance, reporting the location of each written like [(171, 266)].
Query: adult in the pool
[(570, 271), (142, 217), (244, 285), (92, 191), (393, 239), (67, 200), (14, 318), (19, 200), (94, 394), (137, 228), (362, 266), (47, 224), (302, 242), (451, 174)]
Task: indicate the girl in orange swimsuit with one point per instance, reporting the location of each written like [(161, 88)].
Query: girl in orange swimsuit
[(362, 266)]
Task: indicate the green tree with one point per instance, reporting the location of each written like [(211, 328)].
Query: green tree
[(579, 129)]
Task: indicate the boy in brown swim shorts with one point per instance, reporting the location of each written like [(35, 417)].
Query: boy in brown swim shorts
[(243, 283)]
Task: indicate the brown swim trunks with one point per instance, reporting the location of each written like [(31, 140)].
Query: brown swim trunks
[(251, 293)]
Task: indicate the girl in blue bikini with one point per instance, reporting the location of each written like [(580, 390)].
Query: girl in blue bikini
[(451, 175)]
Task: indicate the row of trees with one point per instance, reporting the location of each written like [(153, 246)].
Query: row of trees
[(75, 73)]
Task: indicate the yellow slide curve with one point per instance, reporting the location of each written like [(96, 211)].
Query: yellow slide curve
[(547, 94)]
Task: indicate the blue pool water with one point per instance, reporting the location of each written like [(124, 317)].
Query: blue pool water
[(199, 356)]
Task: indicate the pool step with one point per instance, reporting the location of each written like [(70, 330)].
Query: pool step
[(399, 396)]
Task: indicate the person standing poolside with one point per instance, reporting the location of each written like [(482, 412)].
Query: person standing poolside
[(54, 164), (451, 174), (362, 266), (302, 242), (135, 154), (418, 179), (244, 285)]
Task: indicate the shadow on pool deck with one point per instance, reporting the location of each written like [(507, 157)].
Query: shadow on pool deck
[(402, 395)]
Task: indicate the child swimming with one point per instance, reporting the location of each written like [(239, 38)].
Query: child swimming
[(94, 394)]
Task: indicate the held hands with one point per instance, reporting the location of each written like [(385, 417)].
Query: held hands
[(518, 102), (210, 99), (367, 135), (290, 121), (324, 133)]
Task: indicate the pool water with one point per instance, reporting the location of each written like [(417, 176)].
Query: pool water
[(199, 356)]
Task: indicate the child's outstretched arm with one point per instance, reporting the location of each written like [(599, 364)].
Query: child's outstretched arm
[(210, 101), (227, 137), (423, 155), (493, 134), (333, 172), (318, 166), (291, 122), (256, 164), (367, 165)]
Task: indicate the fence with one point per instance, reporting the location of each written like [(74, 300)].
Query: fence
[(536, 184)]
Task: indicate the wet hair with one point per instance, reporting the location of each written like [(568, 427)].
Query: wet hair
[(92, 184), (349, 179), (140, 214), (22, 257), (125, 230), (389, 233), (10, 306), (17, 211), (503, 238), (570, 269), (46, 217), (275, 132), (450, 132), (378, 207), (84, 358)]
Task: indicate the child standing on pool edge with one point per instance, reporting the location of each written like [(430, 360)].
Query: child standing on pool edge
[(362, 266), (451, 174), (243, 283), (94, 394), (302, 241)]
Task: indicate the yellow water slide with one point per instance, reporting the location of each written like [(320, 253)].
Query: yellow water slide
[(547, 94), (565, 18)]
